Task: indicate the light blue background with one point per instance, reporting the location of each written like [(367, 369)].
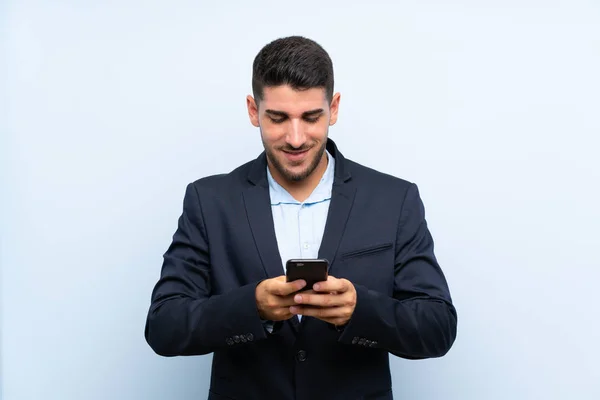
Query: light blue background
[(492, 107)]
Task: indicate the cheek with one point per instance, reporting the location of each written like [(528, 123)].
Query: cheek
[(272, 133), (318, 130)]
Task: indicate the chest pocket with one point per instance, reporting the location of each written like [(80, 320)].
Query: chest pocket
[(370, 266), (365, 251)]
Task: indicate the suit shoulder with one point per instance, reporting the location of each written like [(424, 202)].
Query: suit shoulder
[(225, 181), (373, 177)]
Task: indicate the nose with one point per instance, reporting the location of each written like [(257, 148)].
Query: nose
[(295, 136)]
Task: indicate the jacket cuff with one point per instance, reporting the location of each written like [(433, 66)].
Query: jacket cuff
[(244, 323), (361, 328)]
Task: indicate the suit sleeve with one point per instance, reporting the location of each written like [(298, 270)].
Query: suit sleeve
[(419, 321), (184, 317)]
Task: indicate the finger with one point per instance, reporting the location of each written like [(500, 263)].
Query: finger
[(273, 285), (282, 313), (321, 300), (285, 301), (332, 284), (275, 301), (294, 286), (286, 288)]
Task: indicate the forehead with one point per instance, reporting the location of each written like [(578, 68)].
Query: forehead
[(291, 101)]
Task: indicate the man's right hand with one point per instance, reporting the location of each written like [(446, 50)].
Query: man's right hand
[(275, 296)]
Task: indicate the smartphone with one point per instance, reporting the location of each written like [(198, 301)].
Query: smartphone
[(310, 270)]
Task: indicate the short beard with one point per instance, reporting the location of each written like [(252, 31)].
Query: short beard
[(296, 177)]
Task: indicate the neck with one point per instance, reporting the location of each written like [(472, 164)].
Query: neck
[(301, 190)]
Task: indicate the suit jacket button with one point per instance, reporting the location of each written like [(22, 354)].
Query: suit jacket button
[(236, 339), (301, 355), (355, 340), (250, 337), (373, 343), (243, 338), (229, 341), (361, 341), (367, 343)]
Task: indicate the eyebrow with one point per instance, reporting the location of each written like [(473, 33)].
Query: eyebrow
[(305, 114)]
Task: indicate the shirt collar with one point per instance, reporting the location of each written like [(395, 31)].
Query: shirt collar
[(321, 193)]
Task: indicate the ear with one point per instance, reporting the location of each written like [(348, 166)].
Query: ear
[(333, 108), (252, 110)]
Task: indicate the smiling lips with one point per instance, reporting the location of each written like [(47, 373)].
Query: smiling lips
[(295, 156)]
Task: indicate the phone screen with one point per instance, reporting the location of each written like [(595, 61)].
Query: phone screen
[(310, 270)]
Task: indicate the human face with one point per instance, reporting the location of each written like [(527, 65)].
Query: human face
[(294, 125)]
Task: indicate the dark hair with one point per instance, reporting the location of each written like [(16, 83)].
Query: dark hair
[(296, 61)]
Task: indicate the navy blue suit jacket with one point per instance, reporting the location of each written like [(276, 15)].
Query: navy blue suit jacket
[(376, 236)]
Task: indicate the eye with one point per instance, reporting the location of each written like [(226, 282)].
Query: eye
[(312, 120), (277, 120)]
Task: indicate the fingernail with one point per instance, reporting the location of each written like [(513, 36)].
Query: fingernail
[(293, 310), (298, 298), (316, 286)]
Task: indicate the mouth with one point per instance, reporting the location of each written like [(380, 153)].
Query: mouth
[(295, 155)]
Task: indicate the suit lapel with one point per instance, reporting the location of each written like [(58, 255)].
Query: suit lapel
[(258, 208), (339, 210), (342, 198)]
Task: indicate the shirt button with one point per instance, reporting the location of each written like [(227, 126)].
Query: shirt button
[(301, 356), (306, 245)]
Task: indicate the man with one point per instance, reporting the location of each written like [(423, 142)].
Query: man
[(223, 289)]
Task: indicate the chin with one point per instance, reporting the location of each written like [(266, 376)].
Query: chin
[(296, 176), (295, 171)]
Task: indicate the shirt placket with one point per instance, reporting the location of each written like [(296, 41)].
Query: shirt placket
[(304, 230)]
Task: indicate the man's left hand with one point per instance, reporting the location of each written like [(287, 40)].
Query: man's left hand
[(332, 301)]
